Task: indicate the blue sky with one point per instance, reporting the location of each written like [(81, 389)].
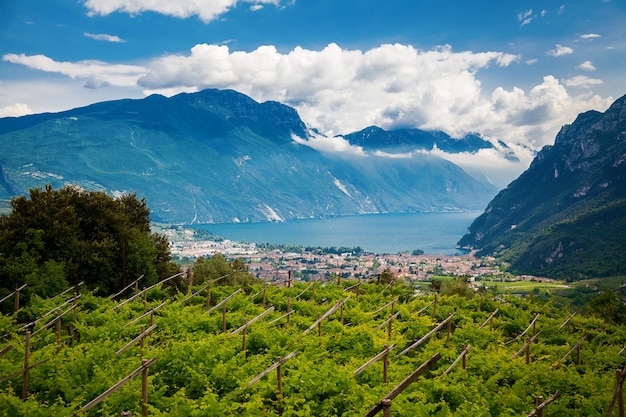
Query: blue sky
[(512, 70)]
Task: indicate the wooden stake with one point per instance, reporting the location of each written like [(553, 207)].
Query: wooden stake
[(385, 364), (144, 388), (264, 296), (288, 310), (527, 350), (141, 342), (386, 405), (619, 393), (435, 306), (341, 314), (17, 300), (224, 318), (243, 341), (58, 330), (538, 401), (319, 325), (26, 366)]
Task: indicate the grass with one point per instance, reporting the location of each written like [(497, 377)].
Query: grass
[(523, 287)]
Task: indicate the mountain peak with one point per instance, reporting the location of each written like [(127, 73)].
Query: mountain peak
[(218, 156), (559, 217)]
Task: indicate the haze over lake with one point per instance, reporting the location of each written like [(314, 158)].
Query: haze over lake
[(434, 233)]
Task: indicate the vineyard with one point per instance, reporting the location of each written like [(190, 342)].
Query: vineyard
[(341, 348)]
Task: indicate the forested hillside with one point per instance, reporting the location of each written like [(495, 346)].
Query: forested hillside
[(564, 217)]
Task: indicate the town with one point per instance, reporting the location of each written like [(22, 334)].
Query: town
[(279, 263)]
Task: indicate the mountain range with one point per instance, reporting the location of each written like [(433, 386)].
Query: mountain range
[(565, 216), (218, 156)]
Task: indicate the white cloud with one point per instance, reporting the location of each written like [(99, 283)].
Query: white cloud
[(206, 10), (582, 81), (560, 50), (104, 37), (339, 90), (525, 17), (590, 36), (95, 72), (15, 110), (587, 66), (336, 144)]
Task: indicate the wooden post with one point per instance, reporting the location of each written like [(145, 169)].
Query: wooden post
[(449, 330), (141, 342), (464, 363), (435, 306), (288, 310), (338, 279), (620, 394), (279, 386), (17, 300), (341, 314), (264, 296), (145, 299), (385, 364), (279, 377), (389, 328), (289, 280), (527, 350), (386, 404), (313, 292), (26, 366), (235, 279), (58, 330), (224, 318), (319, 325), (538, 401), (144, 389), (243, 341)]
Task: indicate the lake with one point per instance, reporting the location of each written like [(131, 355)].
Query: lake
[(434, 233)]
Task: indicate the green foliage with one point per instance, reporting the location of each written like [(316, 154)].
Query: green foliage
[(54, 237), (200, 370)]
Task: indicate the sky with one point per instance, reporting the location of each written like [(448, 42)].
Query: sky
[(511, 70)]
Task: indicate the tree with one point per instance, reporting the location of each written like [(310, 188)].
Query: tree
[(79, 233), (217, 266)]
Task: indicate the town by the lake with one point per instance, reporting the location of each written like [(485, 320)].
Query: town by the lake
[(309, 264)]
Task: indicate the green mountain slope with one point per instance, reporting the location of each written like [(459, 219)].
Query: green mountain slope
[(219, 156), (564, 216)]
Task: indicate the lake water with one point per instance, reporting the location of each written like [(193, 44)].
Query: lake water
[(434, 233)]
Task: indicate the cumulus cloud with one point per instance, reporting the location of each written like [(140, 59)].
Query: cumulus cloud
[(338, 91), (582, 81), (560, 50), (104, 37), (207, 11), (15, 110), (587, 66)]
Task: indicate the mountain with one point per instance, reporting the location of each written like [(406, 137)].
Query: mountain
[(218, 156), (374, 138), (566, 215)]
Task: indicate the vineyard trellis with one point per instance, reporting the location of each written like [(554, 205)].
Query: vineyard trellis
[(470, 324)]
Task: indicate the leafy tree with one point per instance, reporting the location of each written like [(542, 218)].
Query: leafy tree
[(217, 266), (78, 234)]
